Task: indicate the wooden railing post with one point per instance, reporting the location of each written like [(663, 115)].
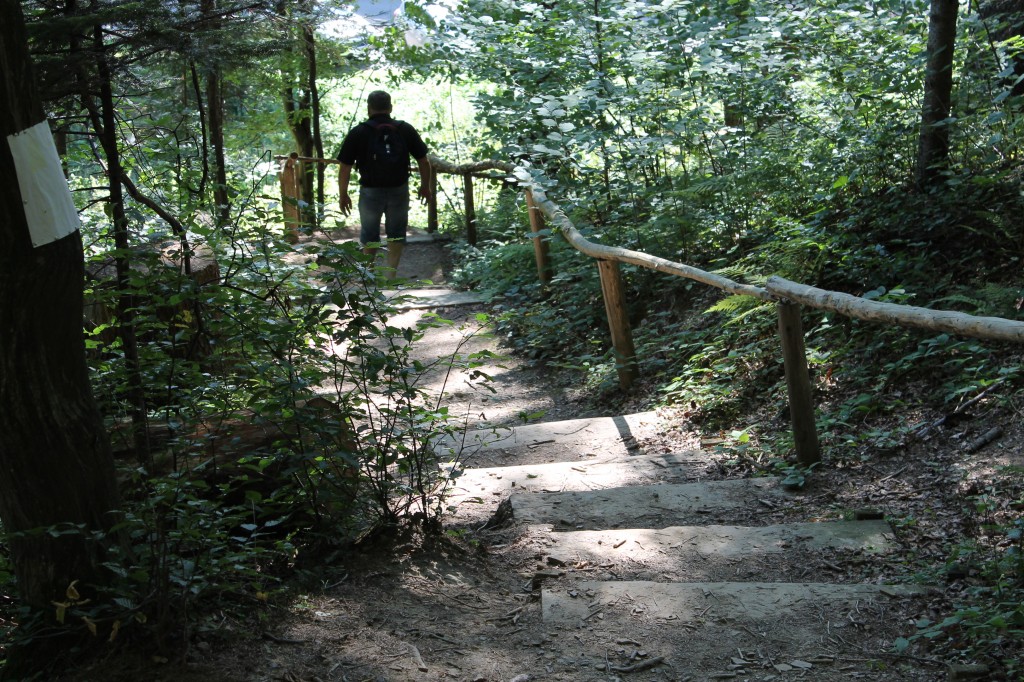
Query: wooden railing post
[(540, 240), (470, 210), (618, 322), (291, 192), (798, 383), (432, 202)]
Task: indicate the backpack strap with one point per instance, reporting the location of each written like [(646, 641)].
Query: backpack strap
[(371, 123), (374, 125)]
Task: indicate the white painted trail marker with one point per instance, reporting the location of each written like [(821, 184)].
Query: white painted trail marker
[(49, 210)]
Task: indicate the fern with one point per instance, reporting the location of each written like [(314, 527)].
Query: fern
[(1001, 298), (990, 299), (740, 272), (973, 305), (761, 307), (798, 255), (738, 308), (731, 304)]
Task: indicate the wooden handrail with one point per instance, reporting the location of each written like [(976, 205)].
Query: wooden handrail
[(471, 168), (557, 217), (777, 288), (788, 296), (296, 157), (947, 321)]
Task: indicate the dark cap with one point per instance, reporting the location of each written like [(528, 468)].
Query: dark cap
[(378, 100)]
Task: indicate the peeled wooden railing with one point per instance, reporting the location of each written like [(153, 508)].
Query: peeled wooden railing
[(788, 297)]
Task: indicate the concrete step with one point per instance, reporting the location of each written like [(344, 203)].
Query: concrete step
[(429, 298), (425, 298), (417, 237), (590, 474), (651, 506), (559, 441), (712, 553), (727, 630), (687, 603)]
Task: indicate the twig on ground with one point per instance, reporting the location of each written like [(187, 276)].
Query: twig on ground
[(894, 474), (512, 616), (637, 667)]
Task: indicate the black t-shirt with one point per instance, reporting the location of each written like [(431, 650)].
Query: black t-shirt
[(355, 150)]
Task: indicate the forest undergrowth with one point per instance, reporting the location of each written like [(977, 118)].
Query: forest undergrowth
[(260, 493), (267, 412)]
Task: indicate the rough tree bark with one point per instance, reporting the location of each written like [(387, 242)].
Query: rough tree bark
[(56, 464), (197, 91), (734, 107), (309, 45), (215, 109), (933, 142), (215, 113), (298, 108), (105, 124), (297, 115)]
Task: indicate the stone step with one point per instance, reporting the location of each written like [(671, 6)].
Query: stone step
[(558, 441), (687, 603), (428, 298), (712, 553), (727, 630), (417, 237), (591, 474), (406, 299), (729, 541), (651, 506)]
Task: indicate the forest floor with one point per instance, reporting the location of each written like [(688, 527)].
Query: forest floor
[(465, 605)]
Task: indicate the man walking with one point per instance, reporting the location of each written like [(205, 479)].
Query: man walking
[(380, 148)]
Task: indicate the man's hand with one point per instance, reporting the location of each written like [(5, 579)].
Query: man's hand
[(424, 194), (346, 204)]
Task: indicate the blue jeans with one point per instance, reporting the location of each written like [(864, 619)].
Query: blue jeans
[(391, 203)]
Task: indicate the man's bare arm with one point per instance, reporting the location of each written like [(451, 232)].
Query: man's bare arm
[(425, 184), (344, 177)]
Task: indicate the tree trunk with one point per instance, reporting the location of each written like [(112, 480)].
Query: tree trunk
[(933, 143), (200, 192), (215, 114), (298, 109), (57, 469), (309, 42), (734, 106), (297, 114), (215, 111), (606, 163), (106, 129)]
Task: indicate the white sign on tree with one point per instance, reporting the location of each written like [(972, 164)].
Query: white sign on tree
[(49, 210)]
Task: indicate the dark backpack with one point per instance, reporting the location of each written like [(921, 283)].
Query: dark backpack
[(388, 155)]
